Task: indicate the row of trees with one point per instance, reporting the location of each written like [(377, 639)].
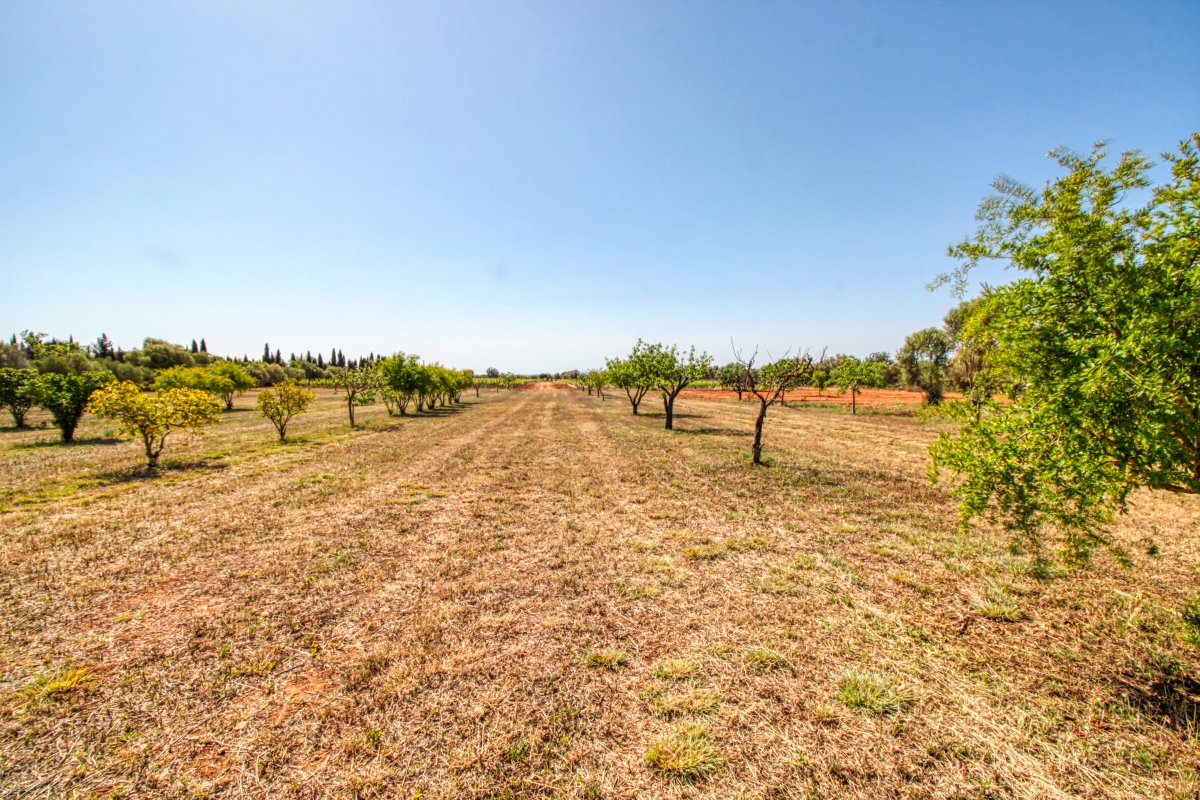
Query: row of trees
[(669, 370), (141, 365), (190, 396)]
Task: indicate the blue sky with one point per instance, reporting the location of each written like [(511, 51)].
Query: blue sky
[(533, 186)]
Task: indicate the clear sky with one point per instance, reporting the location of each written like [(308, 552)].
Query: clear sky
[(534, 185)]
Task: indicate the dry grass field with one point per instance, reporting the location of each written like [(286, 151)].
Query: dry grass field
[(537, 594)]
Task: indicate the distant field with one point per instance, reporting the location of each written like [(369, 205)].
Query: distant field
[(537, 594)]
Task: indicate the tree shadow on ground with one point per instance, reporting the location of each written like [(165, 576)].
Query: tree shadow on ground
[(443, 411), (1161, 689), (712, 431), (142, 473), (90, 440)]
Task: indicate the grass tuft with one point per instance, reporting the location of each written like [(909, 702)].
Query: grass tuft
[(999, 604), (704, 552), (764, 659), (687, 752), (609, 658), (676, 702), (60, 685), (678, 669), (864, 690)]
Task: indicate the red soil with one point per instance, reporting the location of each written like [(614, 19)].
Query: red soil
[(867, 397)]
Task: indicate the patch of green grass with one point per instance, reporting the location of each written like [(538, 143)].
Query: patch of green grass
[(869, 691), (687, 752), (517, 753), (1191, 621), (60, 685), (764, 659), (741, 543), (678, 669), (640, 591), (704, 552), (998, 603), (688, 700), (608, 658), (774, 581), (786, 578), (654, 565), (911, 581)]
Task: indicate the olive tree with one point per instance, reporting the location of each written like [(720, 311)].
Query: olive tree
[(1102, 329), (669, 370), (282, 402), (17, 392), (923, 361), (154, 417), (66, 397)]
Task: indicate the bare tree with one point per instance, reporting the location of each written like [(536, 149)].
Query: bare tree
[(769, 383)]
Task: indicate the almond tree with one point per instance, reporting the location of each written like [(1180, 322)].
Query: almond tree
[(669, 370), (852, 375), (624, 374), (358, 386), (1101, 331), (769, 383)]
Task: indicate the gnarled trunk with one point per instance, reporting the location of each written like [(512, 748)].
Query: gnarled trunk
[(756, 448)]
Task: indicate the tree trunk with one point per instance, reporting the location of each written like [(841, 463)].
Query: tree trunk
[(350, 405), (756, 448), (669, 406), (854, 401), (739, 391)]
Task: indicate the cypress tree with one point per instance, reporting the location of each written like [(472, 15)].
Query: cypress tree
[(267, 353), (195, 347), (203, 345)]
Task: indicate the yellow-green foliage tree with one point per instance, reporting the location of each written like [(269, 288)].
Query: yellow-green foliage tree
[(282, 402), (192, 378), (154, 417), (239, 380)]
